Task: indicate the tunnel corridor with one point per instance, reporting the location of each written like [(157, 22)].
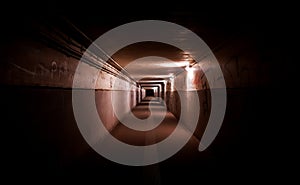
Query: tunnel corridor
[(59, 82)]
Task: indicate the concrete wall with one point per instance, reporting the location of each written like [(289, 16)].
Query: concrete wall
[(39, 127), (126, 101), (246, 75), (32, 63)]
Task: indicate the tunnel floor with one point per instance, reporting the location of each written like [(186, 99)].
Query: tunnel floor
[(159, 133), (180, 163), (48, 145)]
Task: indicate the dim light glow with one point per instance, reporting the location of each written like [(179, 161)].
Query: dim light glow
[(190, 72), (172, 64), (190, 77), (172, 88)]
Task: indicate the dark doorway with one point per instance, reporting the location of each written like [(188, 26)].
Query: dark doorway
[(149, 92)]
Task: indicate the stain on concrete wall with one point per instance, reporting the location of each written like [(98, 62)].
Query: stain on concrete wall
[(32, 63)]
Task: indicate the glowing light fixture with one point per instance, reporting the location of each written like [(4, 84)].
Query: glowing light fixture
[(172, 64)]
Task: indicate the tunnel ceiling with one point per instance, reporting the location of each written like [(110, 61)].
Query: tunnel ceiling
[(214, 26), (148, 59), (139, 59)]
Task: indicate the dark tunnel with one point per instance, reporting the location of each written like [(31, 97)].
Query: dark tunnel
[(223, 102)]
